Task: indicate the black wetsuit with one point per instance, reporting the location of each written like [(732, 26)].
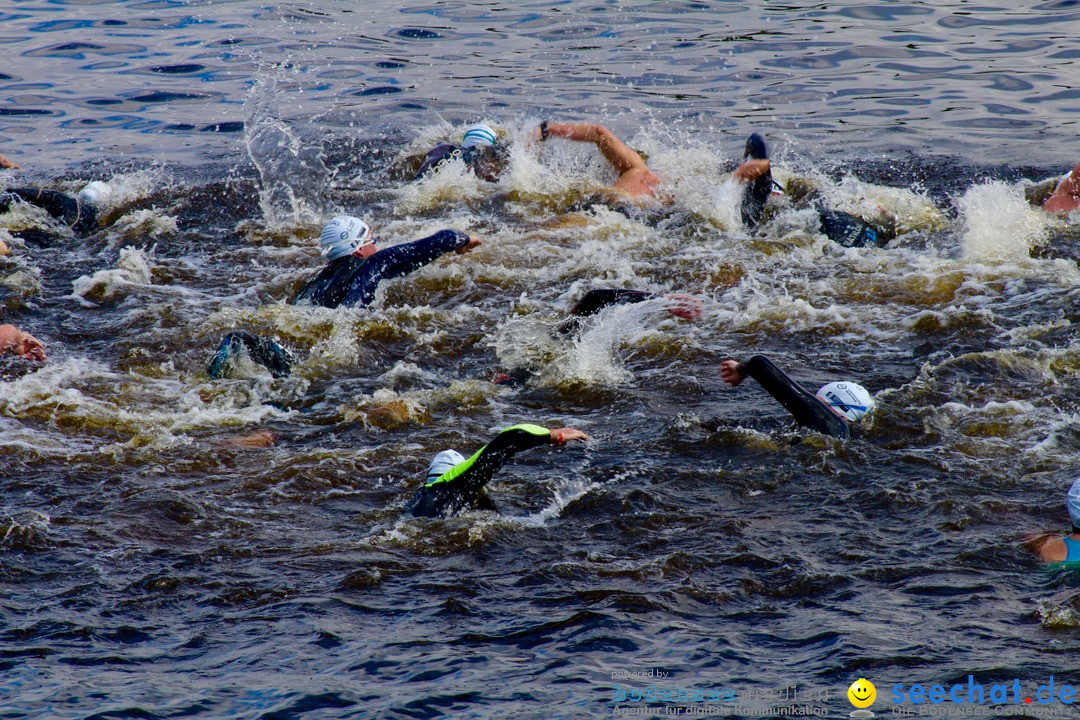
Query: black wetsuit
[(757, 191), (849, 230), (80, 216), (351, 280), (459, 487), (600, 298), (807, 409), (265, 352), (478, 158)]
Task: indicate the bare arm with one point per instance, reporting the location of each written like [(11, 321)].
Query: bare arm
[(1066, 196), (751, 170), (5, 163), (617, 153)]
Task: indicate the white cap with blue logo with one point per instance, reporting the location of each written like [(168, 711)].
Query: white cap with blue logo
[(847, 398), (479, 135), (343, 235)]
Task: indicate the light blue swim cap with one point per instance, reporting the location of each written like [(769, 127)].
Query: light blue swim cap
[(1072, 502), (478, 135), (442, 463)]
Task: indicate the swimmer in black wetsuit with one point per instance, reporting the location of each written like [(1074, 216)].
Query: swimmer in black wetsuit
[(479, 151), (265, 352), (78, 212), (840, 227), (357, 267), (596, 300), (454, 483), (831, 411)]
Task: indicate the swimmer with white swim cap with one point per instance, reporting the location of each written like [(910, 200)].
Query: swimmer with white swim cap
[(831, 411)]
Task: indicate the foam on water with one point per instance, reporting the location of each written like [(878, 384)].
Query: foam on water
[(999, 224)]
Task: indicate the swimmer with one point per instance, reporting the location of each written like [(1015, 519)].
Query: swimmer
[(357, 267), (454, 483), (1067, 548), (479, 150), (831, 411), (1066, 196), (596, 300), (14, 341), (79, 212), (260, 350), (840, 227), (635, 179)]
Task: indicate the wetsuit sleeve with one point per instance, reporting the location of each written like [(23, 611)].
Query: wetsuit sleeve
[(596, 300), (804, 406), (848, 230), (82, 217), (435, 157), (458, 487), (400, 260)]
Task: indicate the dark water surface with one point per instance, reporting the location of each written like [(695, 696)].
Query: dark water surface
[(147, 570)]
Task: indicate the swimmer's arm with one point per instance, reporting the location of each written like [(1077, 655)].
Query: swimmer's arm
[(1066, 196), (8, 164), (803, 405), (407, 257), (596, 300), (612, 148), (483, 466), (401, 260), (600, 298), (750, 170), (1051, 549)]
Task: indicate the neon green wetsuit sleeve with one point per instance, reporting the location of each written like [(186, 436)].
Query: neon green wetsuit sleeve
[(459, 486)]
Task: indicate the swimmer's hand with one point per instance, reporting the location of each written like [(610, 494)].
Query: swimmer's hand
[(751, 170), (258, 439), (561, 436), (729, 372), (4, 249), (20, 343), (5, 163), (684, 306), (474, 242)]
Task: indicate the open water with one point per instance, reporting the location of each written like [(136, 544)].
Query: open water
[(148, 569)]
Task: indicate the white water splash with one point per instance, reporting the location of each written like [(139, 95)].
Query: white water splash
[(292, 175), (999, 224)]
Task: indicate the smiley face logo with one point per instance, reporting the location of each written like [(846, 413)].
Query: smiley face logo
[(862, 693)]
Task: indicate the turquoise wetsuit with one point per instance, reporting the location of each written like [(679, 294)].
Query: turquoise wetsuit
[(1072, 548), (458, 487)]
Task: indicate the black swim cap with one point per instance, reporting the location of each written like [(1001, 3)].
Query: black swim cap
[(755, 148)]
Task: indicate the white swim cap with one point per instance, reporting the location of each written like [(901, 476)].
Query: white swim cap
[(847, 398), (94, 192), (343, 235), (442, 463), (478, 135), (1072, 501)]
